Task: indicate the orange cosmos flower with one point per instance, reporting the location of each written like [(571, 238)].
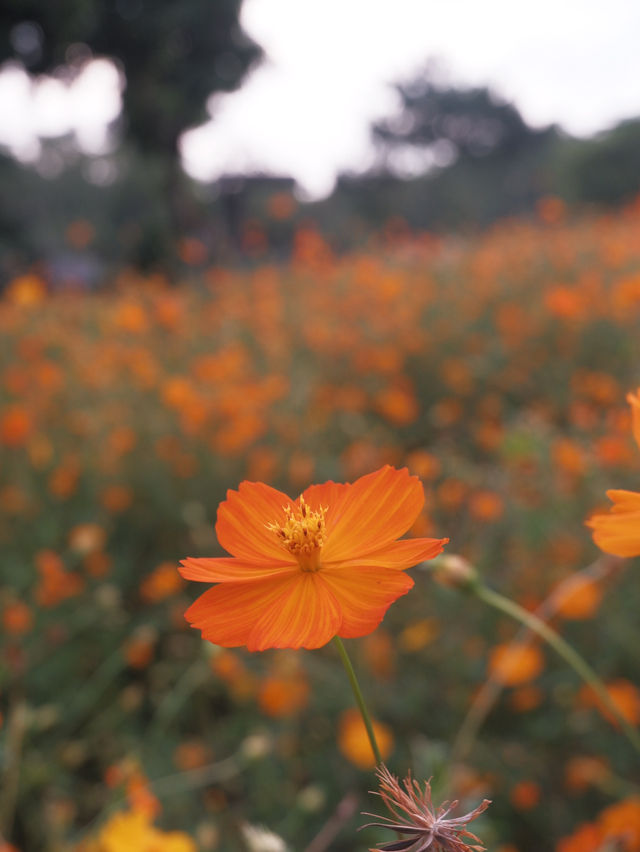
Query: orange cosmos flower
[(303, 571), (618, 531)]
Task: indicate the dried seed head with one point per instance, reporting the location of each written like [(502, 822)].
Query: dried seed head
[(414, 816)]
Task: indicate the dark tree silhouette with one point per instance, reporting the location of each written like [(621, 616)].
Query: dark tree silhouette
[(474, 122), (604, 169), (174, 55)]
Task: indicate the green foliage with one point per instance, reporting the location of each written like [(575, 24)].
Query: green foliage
[(604, 169)]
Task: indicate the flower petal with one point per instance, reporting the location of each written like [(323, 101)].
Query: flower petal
[(624, 501), (226, 614), (398, 555), (364, 595), (634, 401), (229, 569), (307, 615), (289, 611), (618, 531), (242, 522), (330, 496), (377, 509)]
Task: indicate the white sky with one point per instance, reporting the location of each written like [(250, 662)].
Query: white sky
[(306, 111), (47, 107)]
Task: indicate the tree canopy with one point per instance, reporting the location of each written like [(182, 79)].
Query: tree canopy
[(473, 122), (173, 55)]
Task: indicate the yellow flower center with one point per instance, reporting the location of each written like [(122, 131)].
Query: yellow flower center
[(302, 534)]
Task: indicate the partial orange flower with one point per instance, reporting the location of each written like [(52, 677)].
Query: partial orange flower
[(580, 599), (525, 795), (15, 426), (634, 401), (621, 822), (303, 571), (513, 663), (584, 771), (284, 695), (17, 618), (618, 531), (624, 694), (163, 582)]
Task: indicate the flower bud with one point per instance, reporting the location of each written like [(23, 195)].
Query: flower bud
[(455, 571)]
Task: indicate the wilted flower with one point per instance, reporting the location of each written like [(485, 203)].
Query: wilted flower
[(414, 815)]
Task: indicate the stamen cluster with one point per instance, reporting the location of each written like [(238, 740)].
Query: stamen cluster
[(303, 532)]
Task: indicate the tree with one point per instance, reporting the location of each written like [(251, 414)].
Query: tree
[(472, 123), (604, 169), (174, 55), (451, 157)]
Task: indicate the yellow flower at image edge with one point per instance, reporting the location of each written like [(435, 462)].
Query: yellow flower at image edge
[(618, 531), (132, 830), (303, 571)]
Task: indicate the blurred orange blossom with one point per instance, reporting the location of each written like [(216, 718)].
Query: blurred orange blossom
[(618, 531), (303, 571), (514, 663), (353, 741)]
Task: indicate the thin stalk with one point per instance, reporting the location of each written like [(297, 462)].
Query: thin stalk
[(362, 707), (16, 731), (562, 648), (488, 693)]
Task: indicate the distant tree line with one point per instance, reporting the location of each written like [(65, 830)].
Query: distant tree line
[(483, 162), (174, 56), (450, 158)]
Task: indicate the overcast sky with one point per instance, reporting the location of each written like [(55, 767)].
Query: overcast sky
[(306, 110)]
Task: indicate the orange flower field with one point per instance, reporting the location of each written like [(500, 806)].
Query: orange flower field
[(496, 369)]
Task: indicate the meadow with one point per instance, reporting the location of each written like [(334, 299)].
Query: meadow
[(495, 367)]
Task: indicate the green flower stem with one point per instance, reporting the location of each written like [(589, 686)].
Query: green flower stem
[(561, 647), (355, 686)]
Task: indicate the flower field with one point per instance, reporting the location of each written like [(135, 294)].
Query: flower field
[(495, 368)]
